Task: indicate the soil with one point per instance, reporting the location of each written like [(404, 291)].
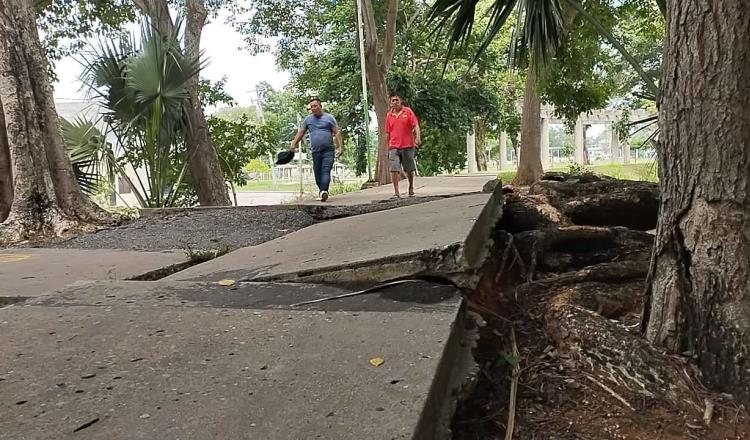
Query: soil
[(558, 315)]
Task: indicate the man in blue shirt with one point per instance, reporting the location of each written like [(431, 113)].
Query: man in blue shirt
[(323, 128)]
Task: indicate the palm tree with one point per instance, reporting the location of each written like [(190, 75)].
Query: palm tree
[(142, 86), (545, 23)]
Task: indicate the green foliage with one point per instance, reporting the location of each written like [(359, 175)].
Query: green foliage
[(580, 79), (214, 93), (579, 170), (257, 166), (91, 156), (66, 24), (236, 142)]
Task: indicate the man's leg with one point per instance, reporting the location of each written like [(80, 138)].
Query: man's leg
[(326, 165), (410, 166), (317, 162), (394, 162)]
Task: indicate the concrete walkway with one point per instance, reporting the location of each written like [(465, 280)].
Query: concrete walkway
[(155, 360), (423, 187), (30, 272)]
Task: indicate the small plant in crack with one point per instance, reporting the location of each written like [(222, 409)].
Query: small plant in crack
[(578, 170), (196, 256)]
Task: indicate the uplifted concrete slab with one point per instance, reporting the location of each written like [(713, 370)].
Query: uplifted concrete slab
[(370, 247), (423, 187), (157, 360), (33, 271)]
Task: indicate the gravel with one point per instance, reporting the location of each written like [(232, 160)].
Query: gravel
[(216, 228), (200, 229)]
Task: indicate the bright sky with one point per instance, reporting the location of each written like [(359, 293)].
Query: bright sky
[(223, 47)]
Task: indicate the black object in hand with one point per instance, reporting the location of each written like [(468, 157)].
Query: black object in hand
[(284, 157)]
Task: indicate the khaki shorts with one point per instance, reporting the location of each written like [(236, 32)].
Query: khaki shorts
[(402, 158)]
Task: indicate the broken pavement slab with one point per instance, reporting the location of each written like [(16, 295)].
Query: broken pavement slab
[(443, 236), (30, 272), (438, 186), (153, 360)]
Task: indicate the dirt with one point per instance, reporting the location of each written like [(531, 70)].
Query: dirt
[(563, 391)]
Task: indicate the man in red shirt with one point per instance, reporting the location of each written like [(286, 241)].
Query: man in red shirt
[(402, 129)]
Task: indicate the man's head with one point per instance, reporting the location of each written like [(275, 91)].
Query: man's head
[(396, 102), (316, 107)]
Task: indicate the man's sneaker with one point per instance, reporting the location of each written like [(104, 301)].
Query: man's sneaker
[(323, 196)]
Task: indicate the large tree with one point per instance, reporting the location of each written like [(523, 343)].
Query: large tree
[(46, 195), (203, 162), (699, 287)]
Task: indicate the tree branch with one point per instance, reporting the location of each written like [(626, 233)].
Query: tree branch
[(389, 47), (371, 32), (158, 12)]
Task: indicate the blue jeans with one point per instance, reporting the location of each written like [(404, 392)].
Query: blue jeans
[(322, 165)]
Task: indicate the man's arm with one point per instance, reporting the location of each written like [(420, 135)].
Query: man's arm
[(339, 139), (415, 128), (300, 134)]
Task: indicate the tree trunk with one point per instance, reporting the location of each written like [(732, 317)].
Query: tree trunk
[(6, 177), (203, 158), (530, 160), (378, 59), (380, 102), (480, 130), (46, 195), (203, 161), (698, 294)]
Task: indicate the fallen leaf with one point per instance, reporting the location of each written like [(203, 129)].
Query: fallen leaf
[(376, 362), (226, 283)]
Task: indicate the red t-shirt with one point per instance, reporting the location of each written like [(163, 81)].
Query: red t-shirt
[(399, 127)]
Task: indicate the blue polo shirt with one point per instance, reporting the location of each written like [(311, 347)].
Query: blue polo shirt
[(321, 131)]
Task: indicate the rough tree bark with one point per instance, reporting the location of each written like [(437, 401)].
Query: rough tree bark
[(698, 293), (203, 161), (6, 178), (379, 52), (530, 159), (46, 195)]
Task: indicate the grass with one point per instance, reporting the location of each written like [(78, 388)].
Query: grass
[(638, 171)]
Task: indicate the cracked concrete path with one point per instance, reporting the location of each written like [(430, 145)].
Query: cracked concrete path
[(169, 360), (33, 271), (423, 186), (356, 242)]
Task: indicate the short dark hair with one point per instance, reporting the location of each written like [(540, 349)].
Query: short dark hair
[(314, 99), (395, 95)]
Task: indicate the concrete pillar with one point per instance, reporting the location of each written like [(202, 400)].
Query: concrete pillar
[(471, 152), (579, 139), (625, 151), (544, 148), (504, 164), (615, 152)]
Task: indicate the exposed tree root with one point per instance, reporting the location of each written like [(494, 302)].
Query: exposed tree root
[(52, 223), (603, 203), (573, 296), (615, 356)]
